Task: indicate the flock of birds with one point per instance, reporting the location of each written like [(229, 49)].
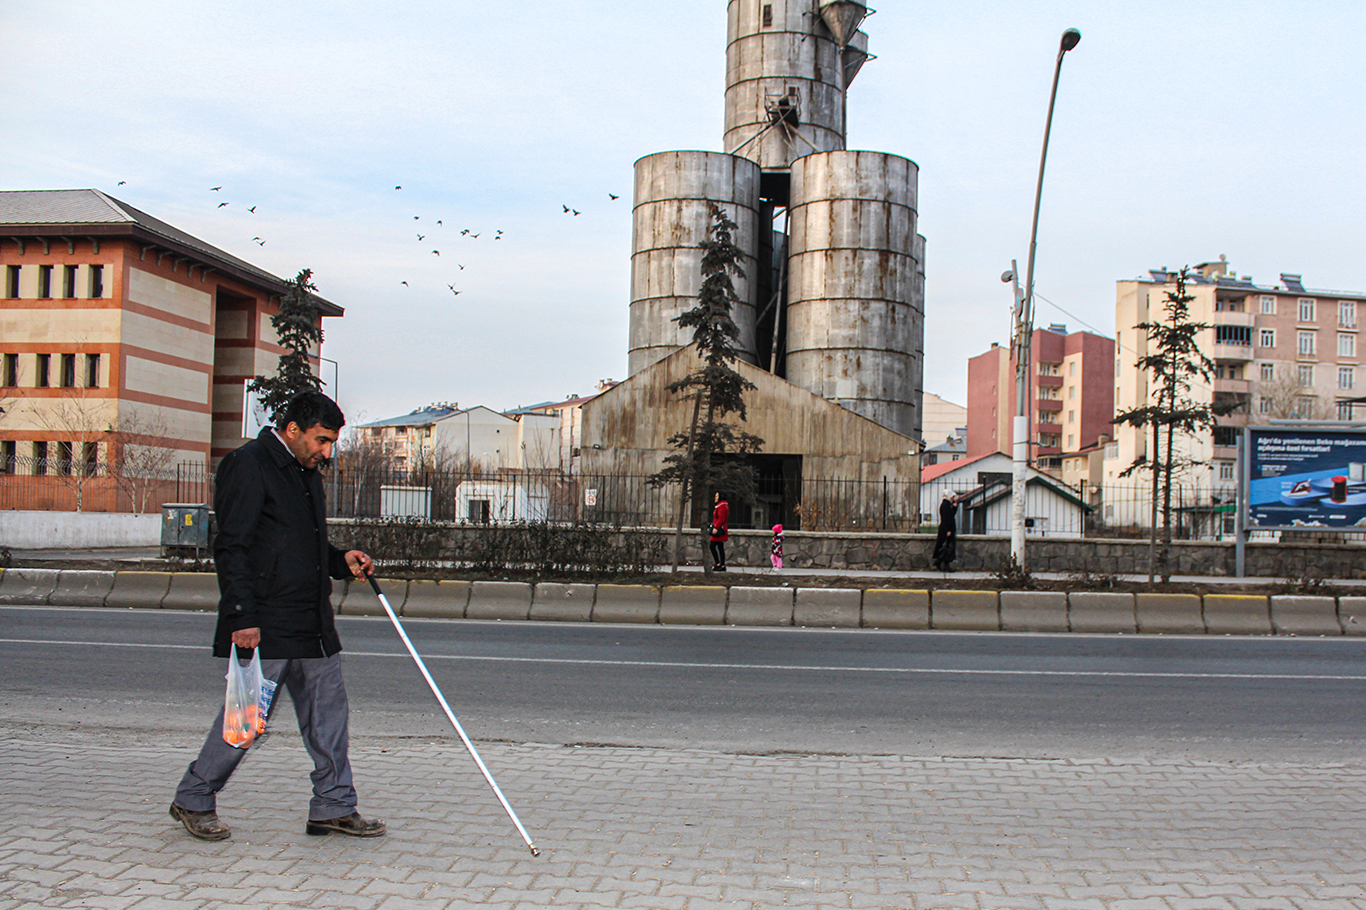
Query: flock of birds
[(466, 233)]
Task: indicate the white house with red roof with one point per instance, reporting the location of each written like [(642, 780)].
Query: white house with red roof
[(983, 486)]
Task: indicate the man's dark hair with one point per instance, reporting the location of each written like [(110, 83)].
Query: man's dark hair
[(309, 409)]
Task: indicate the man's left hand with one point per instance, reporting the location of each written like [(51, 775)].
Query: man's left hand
[(360, 563)]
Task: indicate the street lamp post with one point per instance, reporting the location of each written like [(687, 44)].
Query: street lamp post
[(1024, 328)]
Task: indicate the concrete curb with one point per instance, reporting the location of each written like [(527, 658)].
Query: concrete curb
[(1352, 615), (627, 603), (965, 611), (759, 606), (696, 605), (839, 608), (1237, 614), (436, 599), (1034, 611), (499, 600), (1297, 614), (192, 591), (566, 603), (358, 598), (139, 589), (82, 588), (896, 608), (1110, 612), (27, 586), (1171, 614)]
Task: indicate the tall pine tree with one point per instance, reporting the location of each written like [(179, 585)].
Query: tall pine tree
[(704, 458), (299, 327)]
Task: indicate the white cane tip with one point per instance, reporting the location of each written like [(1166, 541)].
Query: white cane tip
[(535, 852)]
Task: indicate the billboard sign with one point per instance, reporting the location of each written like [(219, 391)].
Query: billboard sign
[(254, 416), (1306, 478)]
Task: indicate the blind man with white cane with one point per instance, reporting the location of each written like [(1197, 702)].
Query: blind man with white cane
[(274, 563)]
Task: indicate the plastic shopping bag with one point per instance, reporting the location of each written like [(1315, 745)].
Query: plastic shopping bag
[(243, 718)]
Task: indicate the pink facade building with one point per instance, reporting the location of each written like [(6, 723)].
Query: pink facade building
[(1072, 397)]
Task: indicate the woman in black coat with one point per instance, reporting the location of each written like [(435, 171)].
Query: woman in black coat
[(946, 544)]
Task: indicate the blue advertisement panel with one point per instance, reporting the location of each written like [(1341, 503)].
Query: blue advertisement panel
[(1306, 478)]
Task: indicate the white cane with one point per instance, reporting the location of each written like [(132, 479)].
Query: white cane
[(450, 715)]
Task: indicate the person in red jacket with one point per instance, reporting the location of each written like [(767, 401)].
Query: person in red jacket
[(720, 532)]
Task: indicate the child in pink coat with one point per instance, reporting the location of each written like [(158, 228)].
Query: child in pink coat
[(777, 547)]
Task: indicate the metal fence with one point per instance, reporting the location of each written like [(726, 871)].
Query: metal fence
[(63, 485)]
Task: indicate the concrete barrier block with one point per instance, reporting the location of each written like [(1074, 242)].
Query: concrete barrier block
[(195, 591), (1170, 614), (965, 611), (499, 600), (1101, 611), (1034, 611), (828, 607), (565, 603), (145, 590), (432, 599), (1352, 615), (702, 605), (1237, 614), (627, 603), (896, 608), (27, 587), (1298, 614), (759, 606), (358, 598), (81, 588)]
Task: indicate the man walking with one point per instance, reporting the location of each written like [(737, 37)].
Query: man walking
[(274, 563)]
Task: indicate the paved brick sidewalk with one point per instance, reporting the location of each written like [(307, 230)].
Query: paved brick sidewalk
[(85, 825)]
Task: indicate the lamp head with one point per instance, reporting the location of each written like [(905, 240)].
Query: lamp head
[(1008, 275), (1070, 38)]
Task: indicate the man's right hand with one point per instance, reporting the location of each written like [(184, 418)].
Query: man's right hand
[(247, 638)]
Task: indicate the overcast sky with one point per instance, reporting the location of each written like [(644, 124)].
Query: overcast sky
[(1183, 131)]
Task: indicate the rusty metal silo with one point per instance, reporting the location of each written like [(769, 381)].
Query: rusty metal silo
[(670, 219), (855, 307)]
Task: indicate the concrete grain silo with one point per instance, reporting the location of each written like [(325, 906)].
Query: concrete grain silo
[(673, 193), (855, 309)]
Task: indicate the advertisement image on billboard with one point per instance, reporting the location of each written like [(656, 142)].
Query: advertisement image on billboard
[(1306, 478)]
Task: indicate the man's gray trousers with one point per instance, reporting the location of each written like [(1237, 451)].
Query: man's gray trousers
[(319, 695)]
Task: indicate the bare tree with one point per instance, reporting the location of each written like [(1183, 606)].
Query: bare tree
[(141, 460), (80, 424), (1286, 398)]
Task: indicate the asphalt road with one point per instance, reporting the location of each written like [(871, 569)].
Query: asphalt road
[(733, 689)]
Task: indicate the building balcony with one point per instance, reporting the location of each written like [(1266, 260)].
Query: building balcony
[(1239, 386), (1049, 404), (1236, 352), (1042, 427), (1048, 381), (1229, 317)]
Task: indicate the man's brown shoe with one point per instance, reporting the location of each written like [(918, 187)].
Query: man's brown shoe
[(352, 825), (203, 825)]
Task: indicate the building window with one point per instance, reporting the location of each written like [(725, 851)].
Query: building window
[(1268, 306), (1346, 378), (1268, 371), (64, 458), (44, 281), (1306, 375), (1347, 345), (1303, 407), (1264, 405), (1071, 440), (1233, 334), (44, 375), (1072, 391), (92, 371), (90, 458), (1306, 309), (1071, 416), (97, 281), (9, 457), (1225, 470), (1072, 368), (1347, 314), (12, 281), (1117, 367), (40, 458), (11, 376), (68, 281), (1268, 338), (68, 379), (1226, 436), (1344, 410), (1306, 344)]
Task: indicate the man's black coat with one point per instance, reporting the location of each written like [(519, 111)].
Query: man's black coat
[(272, 554)]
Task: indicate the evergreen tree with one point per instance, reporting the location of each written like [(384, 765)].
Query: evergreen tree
[(1176, 362), (704, 458), (298, 326)]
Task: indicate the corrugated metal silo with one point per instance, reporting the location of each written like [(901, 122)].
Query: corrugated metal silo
[(856, 285), (670, 219), (781, 64)]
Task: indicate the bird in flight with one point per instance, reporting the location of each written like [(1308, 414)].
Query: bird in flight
[(398, 187), (252, 210), (420, 236), (415, 217), (260, 243), (438, 221), (256, 238), (613, 196), (122, 182), (404, 283), (462, 268), (214, 189), (464, 232), (436, 252), (221, 204), (454, 291), (566, 208), (474, 236), (576, 212)]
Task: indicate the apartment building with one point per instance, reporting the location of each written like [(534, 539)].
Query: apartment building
[(1071, 395), (1280, 351), (447, 435), (111, 318)]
